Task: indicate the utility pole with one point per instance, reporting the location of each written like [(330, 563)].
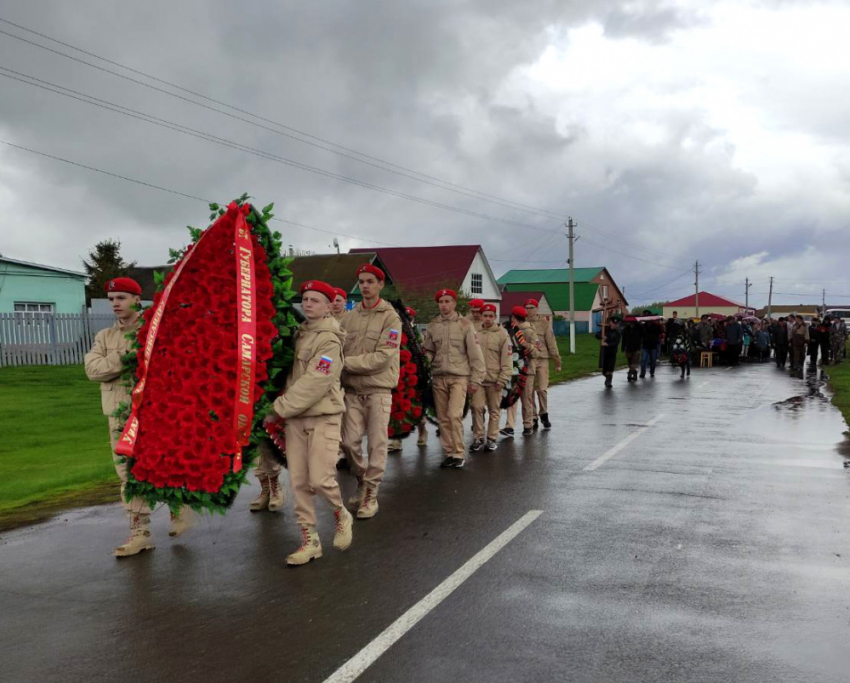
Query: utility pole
[(747, 286), (696, 286), (823, 301), (572, 239), (770, 297)]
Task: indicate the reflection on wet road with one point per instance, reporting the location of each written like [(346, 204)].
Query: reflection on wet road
[(691, 530)]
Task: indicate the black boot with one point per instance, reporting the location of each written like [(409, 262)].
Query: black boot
[(536, 424), (608, 381), (544, 419)]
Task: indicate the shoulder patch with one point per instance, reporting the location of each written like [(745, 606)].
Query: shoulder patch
[(324, 365)]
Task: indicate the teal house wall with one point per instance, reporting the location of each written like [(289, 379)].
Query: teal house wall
[(22, 282)]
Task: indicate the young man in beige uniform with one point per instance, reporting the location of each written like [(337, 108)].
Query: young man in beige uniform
[(103, 364), (498, 364), (457, 367), (476, 307), (547, 348), (370, 373), (519, 319), (338, 307), (312, 405)]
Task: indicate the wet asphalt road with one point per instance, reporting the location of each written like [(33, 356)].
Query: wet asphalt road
[(714, 546)]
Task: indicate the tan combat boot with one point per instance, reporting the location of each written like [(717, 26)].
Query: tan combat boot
[(357, 498), (369, 506), (261, 502), (182, 521), (394, 446), (276, 498), (311, 547), (344, 532), (140, 537), (423, 438)]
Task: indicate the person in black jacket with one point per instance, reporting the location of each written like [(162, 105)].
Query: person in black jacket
[(610, 337), (814, 340), (632, 345), (652, 332), (779, 339), (734, 340)]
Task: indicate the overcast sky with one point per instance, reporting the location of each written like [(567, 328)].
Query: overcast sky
[(670, 131)]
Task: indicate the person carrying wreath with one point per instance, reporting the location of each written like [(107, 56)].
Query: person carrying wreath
[(103, 364), (531, 351), (498, 366), (312, 405), (457, 368), (370, 373)]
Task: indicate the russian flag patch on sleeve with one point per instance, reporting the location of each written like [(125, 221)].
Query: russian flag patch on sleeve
[(324, 365)]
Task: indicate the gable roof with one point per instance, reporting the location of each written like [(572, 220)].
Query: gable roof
[(557, 275), (41, 266), (338, 270), (558, 294), (705, 299), (425, 268), (518, 298)]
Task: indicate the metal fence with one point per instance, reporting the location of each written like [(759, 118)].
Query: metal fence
[(48, 338)]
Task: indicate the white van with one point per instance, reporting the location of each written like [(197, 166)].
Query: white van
[(843, 313)]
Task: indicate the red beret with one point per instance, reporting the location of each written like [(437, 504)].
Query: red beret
[(488, 307), (445, 292), (476, 303), (124, 284), (519, 312), (374, 270), (339, 291), (320, 287), (411, 312), (532, 302)]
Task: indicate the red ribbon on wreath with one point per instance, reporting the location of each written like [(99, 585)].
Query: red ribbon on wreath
[(246, 317)]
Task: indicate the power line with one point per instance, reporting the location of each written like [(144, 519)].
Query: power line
[(375, 162), (209, 137), (379, 163), (632, 256), (181, 194)]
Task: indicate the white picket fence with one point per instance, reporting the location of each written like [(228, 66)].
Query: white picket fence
[(48, 338)]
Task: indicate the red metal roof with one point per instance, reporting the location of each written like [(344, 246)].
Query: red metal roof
[(426, 268), (706, 299), (511, 299)]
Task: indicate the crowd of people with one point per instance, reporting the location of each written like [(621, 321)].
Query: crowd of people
[(786, 340), (340, 390)]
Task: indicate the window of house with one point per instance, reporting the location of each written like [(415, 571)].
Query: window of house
[(32, 307), (604, 291), (477, 284)]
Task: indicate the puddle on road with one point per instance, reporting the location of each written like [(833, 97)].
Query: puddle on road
[(814, 385)]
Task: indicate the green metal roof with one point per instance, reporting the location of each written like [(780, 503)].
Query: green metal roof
[(558, 294), (557, 275)]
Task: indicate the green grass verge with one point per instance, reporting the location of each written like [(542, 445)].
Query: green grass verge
[(585, 361), (54, 450), (839, 382)]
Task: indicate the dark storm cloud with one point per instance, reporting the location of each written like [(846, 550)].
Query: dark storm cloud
[(421, 84)]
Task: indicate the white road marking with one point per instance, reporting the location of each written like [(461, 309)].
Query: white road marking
[(367, 656), (601, 460)]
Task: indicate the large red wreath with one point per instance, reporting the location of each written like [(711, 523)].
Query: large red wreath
[(186, 432), (406, 411)]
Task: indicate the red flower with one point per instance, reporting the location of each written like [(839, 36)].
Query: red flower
[(405, 356)]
